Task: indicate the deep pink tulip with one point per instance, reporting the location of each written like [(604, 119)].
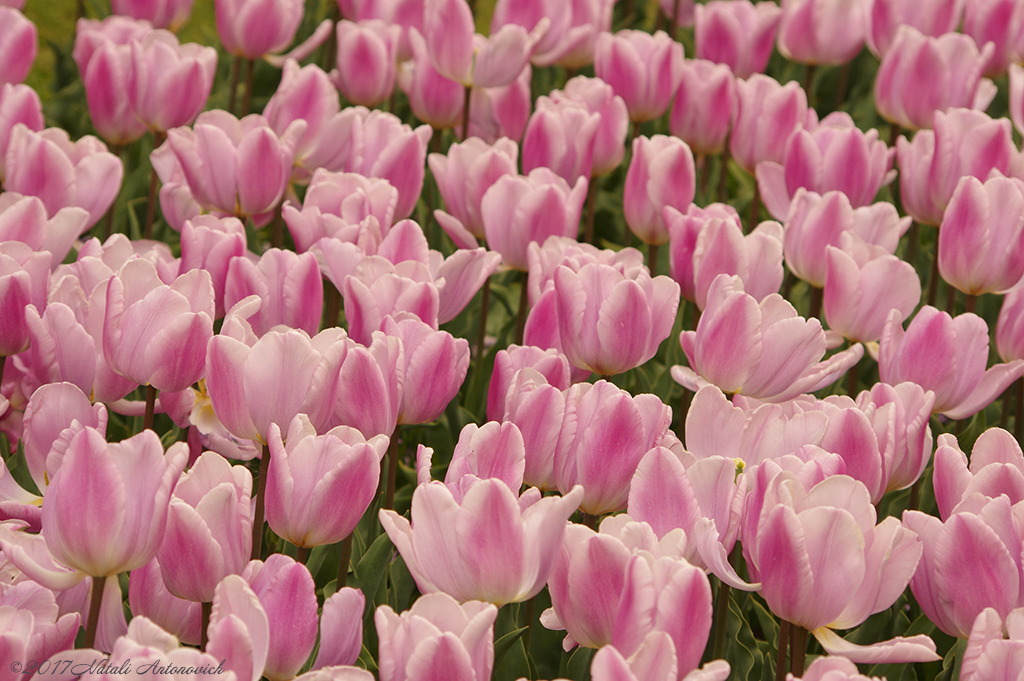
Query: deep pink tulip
[(661, 174), (289, 286), (975, 546), (435, 367), (947, 356), (821, 585), (528, 14), (319, 486), (169, 14), (501, 111), (993, 648), (285, 590), (24, 279), (375, 373), (433, 98), (518, 210), (210, 243), (209, 526), (921, 75), (367, 61), (765, 351), (237, 167), (963, 142), (168, 83), (561, 137), (704, 106), (18, 45), (505, 547), (600, 98), (337, 205), (256, 29), (610, 322), (595, 579), (644, 69), (821, 31), (767, 114), (930, 17), (981, 239), (996, 467), (341, 628), (156, 334), (62, 173), (605, 433), (737, 33), (18, 104), (862, 283), (835, 155), (255, 382), (549, 364), (120, 492), (436, 638), (148, 597), (590, 18), (998, 22), (709, 242), (463, 177)]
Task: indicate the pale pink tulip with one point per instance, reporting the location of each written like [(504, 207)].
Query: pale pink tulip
[(821, 31), (561, 137), (285, 591), (994, 646), (169, 14), (168, 83), (18, 45), (262, 30), (644, 69), (24, 279), (367, 60), (600, 98), (930, 17), (996, 467), (435, 363), (998, 22), (737, 33), (661, 174), (289, 287), (767, 114), (704, 106), (341, 628), (149, 598), (18, 104)]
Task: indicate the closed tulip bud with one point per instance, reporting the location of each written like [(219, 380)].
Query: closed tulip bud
[(644, 69), (767, 114), (435, 363), (148, 597), (255, 30), (168, 83), (737, 33), (561, 137), (433, 98), (930, 17), (341, 628), (549, 364), (590, 18), (503, 111), (600, 98), (18, 45), (18, 104), (528, 13), (169, 14), (1009, 329), (997, 22), (24, 278), (996, 467), (661, 174), (286, 593), (821, 31), (367, 61), (705, 106), (376, 373), (289, 286), (210, 243)]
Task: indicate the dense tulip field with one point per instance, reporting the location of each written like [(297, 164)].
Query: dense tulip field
[(458, 340)]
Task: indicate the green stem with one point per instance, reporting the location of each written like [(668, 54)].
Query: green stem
[(389, 490), (588, 230), (302, 554), (851, 380), (485, 301), (524, 308), (147, 419), (1018, 422), (817, 295), (721, 619), (723, 174), (147, 232), (528, 618), (236, 72), (94, 611), (247, 98), (332, 305), (755, 210), (780, 659), (204, 624), (970, 302), (652, 258), (933, 281), (465, 113), (261, 494), (797, 649), (590, 521), (346, 558)]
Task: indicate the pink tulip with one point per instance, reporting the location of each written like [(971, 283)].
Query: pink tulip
[(255, 382), (644, 70), (561, 137), (209, 525), (544, 259), (902, 410), (237, 167), (319, 486), (862, 283), (239, 629), (821, 31), (997, 22), (595, 580), (463, 177), (61, 173), (289, 286), (169, 14), (528, 14), (600, 98), (931, 17), (341, 628), (149, 598), (654, 660), (505, 552), (256, 30), (737, 33), (993, 648), (590, 18), (156, 334), (375, 373), (765, 351), (366, 61), (406, 14), (661, 174), (18, 104), (830, 668), (1016, 96), (537, 408), (921, 75), (24, 219), (168, 83), (177, 204), (996, 468), (501, 111), (24, 278), (605, 433), (982, 235), (376, 291), (518, 210), (18, 38), (767, 114), (436, 634), (833, 156), (34, 624), (210, 243), (704, 106), (338, 205), (976, 144), (820, 585), (494, 451), (550, 364), (947, 356), (1009, 333), (285, 591), (435, 367), (610, 322), (433, 98)]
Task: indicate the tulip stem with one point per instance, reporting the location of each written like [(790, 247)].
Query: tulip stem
[(3, 362), (588, 230), (528, 609), (389, 489), (331, 45), (652, 258), (844, 78), (851, 380), (206, 610), (797, 649), (809, 84), (969, 302), (910, 254), (346, 558), (94, 611), (465, 113), (147, 233), (755, 210), (590, 520), (147, 419), (723, 174), (721, 619), (524, 308), (915, 495), (951, 300), (814, 311), (236, 71), (302, 554), (485, 301), (332, 305), (780, 659), (1018, 422), (933, 281), (703, 170), (247, 100), (261, 494)]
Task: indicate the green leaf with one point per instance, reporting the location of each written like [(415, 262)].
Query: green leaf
[(369, 573), (505, 643), (579, 664)]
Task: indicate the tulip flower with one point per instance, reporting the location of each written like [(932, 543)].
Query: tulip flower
[(835, 155), (337, 205), (561, 137), (976, 144), (169, 14), (921, 75), (661, 174), (435, 363), (993, 646), (764, 351), (376, 374), (168, 83), (376, 290), (505, 548), (341, 628), (210, 243), (1009, 335), (289, 286), (831, 668), (239, 629), (981, 239), (610, 322), (767, 114), (997, 22), (931, 17), (821, 31), (366, 61), (433, 98), (996, 467), (947, 356), (528, 14), (644, 69), (24, 219), (704, 106), (550, 364), (736, 33), (258, 30), (590, 18), (18, 104), (149, 598), (209, 524), (24, 278), (501, 111), (285, 591), (18, 45), (319, 486), (1016, 97), (436, 633), (537, 409), (600, 98), (494, 451)]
